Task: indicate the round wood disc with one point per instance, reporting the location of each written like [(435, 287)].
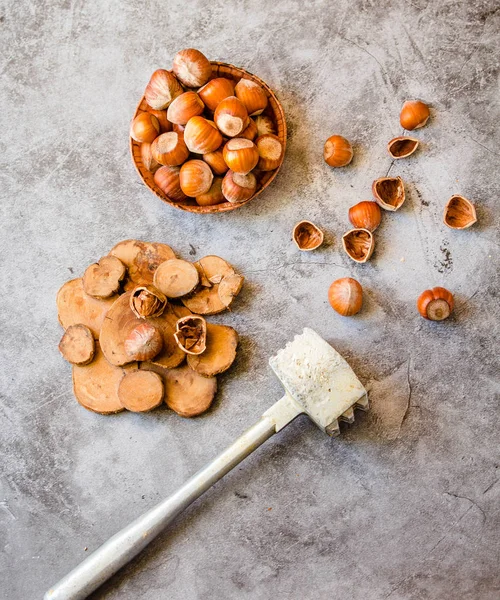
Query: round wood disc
[(188, 393), (220, 352), (176, 278), (77, 345), (140, 391)]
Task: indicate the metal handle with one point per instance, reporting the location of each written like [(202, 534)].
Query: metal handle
[(127, 543)]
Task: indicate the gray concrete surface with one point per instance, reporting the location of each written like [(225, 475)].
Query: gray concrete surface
[(405, 505)]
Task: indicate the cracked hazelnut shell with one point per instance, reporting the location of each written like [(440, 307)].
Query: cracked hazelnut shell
[(191, 334), (389, 192), (459, 213), (307, 236), (402, 146), (358, 244)]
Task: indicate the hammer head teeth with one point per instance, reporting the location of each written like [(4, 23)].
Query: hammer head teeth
[(319, 379)]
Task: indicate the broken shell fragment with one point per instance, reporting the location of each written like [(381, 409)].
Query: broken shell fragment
[(459, 213), (307, 236), (102, 279), (358, 244), (389, 192), (191, 334), (147, 301), (401, 147), (212, 271), (77, 345), (176, 277)]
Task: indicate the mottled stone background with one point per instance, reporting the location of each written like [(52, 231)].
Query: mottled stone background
[(405, 505)]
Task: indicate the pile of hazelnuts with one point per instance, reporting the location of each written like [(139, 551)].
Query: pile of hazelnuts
[(205, 138), (346, 295)]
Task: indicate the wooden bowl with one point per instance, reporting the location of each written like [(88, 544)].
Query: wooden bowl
[(273, 110)]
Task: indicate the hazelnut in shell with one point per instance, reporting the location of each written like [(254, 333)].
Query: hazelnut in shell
[(251, 95), (195, 178), (185, 106), (201, 135), (264, 125), (358, 244), (214, 194), (389, 192), (143, 342), (238, 188), (365, 215), (167, 179), (162, 88), (231, 117), (161, 115), (435, 304), (459, 213), (147, 158), (215, 91), (250, 133), (402, 146), (240, 155), (270, 152), (144, 128), (192, 68), (169, 149), (414, 114), (216, 161), (338, 151), (345, 296), (307, 236)]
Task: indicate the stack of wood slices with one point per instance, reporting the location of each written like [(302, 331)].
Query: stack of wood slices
[(136, 334)]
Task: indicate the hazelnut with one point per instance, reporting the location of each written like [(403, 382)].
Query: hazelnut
[(201, 135), (435, 304), (170, 149), (338, 151), (147, 158), (161, 115), (264, 125), (144, 342), (414, 114), (195, 178), (231, 116), (345, 296), (144, 128), (216, 161), (162, 88), (250, 133), (192, 68), (270, 152), (215, 91), (240, 155), (214, 194), (167, 179), (358, 244), (365, 215), (251, 95), (185, 106), (237, 187)]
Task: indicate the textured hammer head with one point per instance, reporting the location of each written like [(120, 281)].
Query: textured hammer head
[(320, 380)]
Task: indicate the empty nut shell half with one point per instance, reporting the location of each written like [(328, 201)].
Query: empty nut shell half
[(307, 236), (147, 301), (401, 147), (358, 244), (389, 192), (459, 213), (191, 334)]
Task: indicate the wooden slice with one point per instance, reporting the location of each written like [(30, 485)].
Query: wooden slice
[(220, 352), (188, 393), (77, 345), (96, 385), (206, 300), (140, 391), (176, 278), (102, 279), (119, 323), (229, 287), (75, 307), (141, 259)]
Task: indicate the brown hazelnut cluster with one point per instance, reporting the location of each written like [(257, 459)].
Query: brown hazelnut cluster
[(345, 295), (205, 137)]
